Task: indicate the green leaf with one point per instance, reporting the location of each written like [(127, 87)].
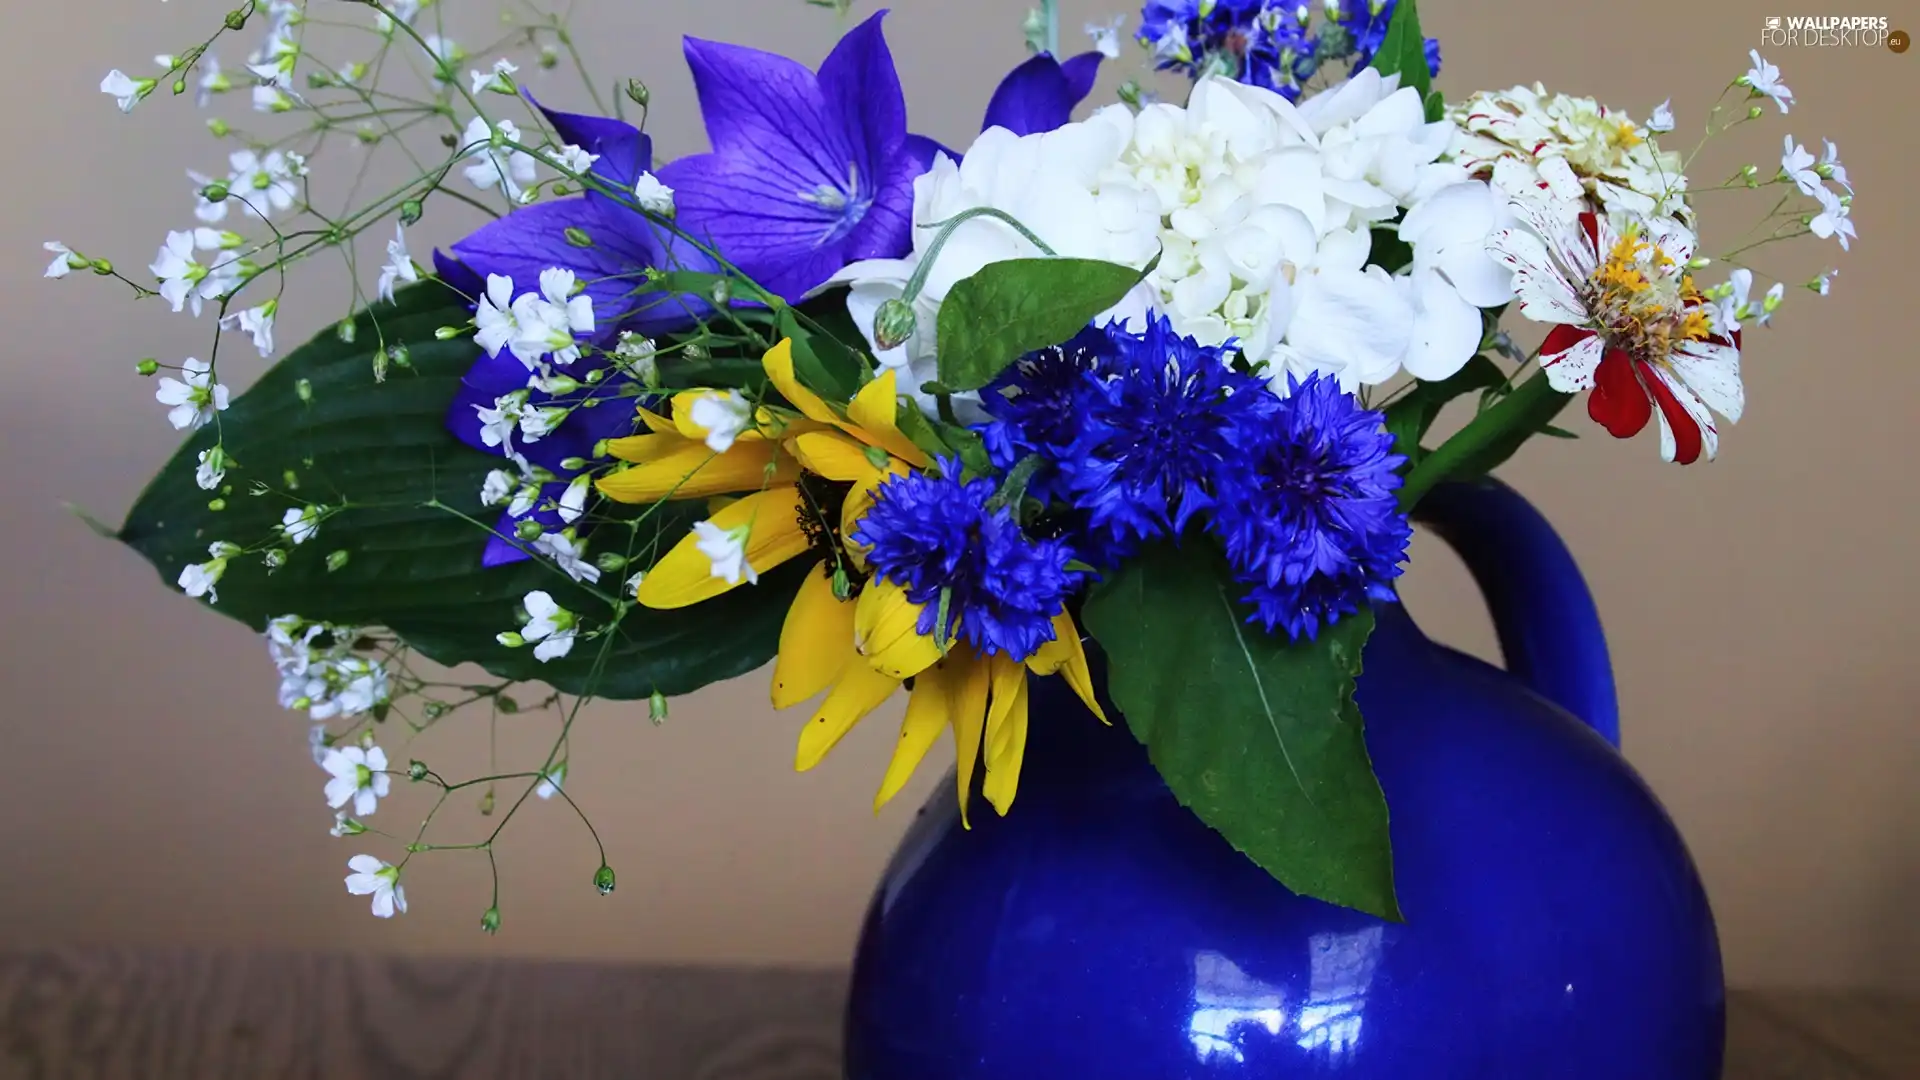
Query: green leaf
[(939, 438), (1011, 308), (1553, 432), (1409, 417), (1257, 735), (821, 363), (413, 525), (1403, 51)]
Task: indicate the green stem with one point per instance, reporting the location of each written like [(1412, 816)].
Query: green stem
[(1489, 439)]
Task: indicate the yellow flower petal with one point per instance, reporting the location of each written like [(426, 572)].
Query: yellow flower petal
[(1007, 747), (1008, 685), (1065, 656), (656, 423), (875, 410), (886, 626), (968, 720), (816, 641), (684, 575), (779, 366), (936, 694), (859, 690), (832, 455), (671, 467)]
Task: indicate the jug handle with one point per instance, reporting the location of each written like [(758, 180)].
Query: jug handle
[(1545, 618)]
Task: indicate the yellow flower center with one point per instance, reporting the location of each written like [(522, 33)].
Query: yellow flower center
[(1625, 137), (1644, 300)]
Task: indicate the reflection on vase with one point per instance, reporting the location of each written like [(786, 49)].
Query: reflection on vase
[(1226, 999), (1341, 970)]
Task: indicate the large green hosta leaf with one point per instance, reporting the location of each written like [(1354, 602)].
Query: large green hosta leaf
[(409, 530), (1257, 735)]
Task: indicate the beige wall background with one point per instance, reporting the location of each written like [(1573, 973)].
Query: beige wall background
[(1761, 608)]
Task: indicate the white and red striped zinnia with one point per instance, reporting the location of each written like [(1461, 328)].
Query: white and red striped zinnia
[(1631, 326)]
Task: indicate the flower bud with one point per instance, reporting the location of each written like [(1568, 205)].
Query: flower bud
[(179, 87), (722, 292), (102, 267), (448, 333), (349, 827), (336, 559), (274, 559), (603, 879), (237, 20), (657, 708), (611, 562), (490, 920), (346, 330), (304, 389), (578, 237), (486, 803), (529, 531), (893, 324), (380, 360), (410, 211), (1753, 113), (637, 91), (505, 704), (216, 505), (220, 128), (147, 366), (842, 585), (1699, 262), (416, 770), (510, 639)]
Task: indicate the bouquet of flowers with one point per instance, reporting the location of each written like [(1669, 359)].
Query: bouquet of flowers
[(904, 418)]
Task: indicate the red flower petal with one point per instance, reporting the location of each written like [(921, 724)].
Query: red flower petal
[(1687, 441), (1590, 224), (1561, 338), (1619, 402)]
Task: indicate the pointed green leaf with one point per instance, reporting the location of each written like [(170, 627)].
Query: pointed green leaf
[(414, 527), (1257, 735), (1009, 309), (1403, 51), (1409, 417)]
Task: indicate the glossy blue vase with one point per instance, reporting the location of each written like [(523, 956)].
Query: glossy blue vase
[(1555, 926)]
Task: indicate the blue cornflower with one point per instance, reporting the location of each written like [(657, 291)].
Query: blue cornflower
[(1048, 403), (1320, 532), (939, 536)]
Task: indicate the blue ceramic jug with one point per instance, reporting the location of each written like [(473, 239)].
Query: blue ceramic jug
[(1555, 926)]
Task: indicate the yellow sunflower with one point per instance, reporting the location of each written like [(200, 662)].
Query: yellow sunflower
[(857, 649)]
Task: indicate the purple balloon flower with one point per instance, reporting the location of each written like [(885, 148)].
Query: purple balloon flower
[(809, 172)]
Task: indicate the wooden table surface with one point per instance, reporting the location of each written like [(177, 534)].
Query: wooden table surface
[(157, 1015)]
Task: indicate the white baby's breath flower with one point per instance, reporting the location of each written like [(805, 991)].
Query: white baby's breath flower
[(1763, 80), (1776, 295), (195, 399), (212, 80), (493, 317), (263, 183), (381, 880), (1662, 119), (498, 488), (64, 260), (574, 159), (198, 579), (358, 776), (653, 196), (208, 210), (499, 79), (551, 783), (344, 825), (548, 322), (301, 523), (723, 415), (1733, 305), (539, 422), (444, 49), (640, 355), (1106, 36), (256, 323), (399, 266), (498, 424), (573, 501), (1831, 168), (271, 99), (569, 554), (178, 271), (551, 626), (125, 90), (726, 551), (510, 170), (1834, 219), (211, 468), (1798, 166)]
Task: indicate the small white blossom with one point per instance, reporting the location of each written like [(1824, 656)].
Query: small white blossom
[(653, 196), (497, 424), (539, 422), (211, 468), (1798, 164), (724, 415), (196, 399), (493, 317), (381, 880), (508, 169), (1771, 303), (726, 550), (212, 80), (198, 579), (1662, 119), (1831, 168), (640, 355), (358, 776), (1834, 219), (256, 323), (264, 183), (362, 685), (574, 159), (126, 91), (548, 321), (569, 554), (344, 825), (183, 280), (1106, 36), (399, 265), (549, 624), (1734, 306), (271, 99), (1824, 283), (552, 781), (301, 523), (204, 208), (573, 502), (64, 259), (499, 80), (444, 49), (1763, 80), (498, 488), (404, 10)]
